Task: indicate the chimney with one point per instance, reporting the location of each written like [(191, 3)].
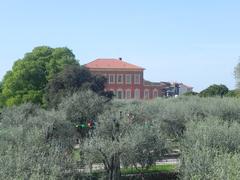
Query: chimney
[(120, 59)]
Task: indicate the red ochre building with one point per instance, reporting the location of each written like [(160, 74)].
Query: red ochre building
[(126, 80)]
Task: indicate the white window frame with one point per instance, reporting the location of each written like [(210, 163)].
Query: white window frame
[(155, 91), (114, 92), (119, 75), (135, 78), (119, 90), (126, 94), (128, 77), (109, 78), (146, 93), (137, 95)]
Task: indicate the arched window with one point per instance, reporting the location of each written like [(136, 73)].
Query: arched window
[(128, 94), (137, 94), (113, 91), (155, 93), (146, 93), (119, 94)]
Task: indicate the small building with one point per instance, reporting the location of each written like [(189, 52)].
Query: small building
[(184, 88), (126, 80)]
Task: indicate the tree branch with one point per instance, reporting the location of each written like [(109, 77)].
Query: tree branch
[(106, 159)]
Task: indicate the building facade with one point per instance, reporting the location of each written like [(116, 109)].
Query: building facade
[(184, 88), (126, 80)]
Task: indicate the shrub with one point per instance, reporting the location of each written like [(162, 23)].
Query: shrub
[(206, 145), (31, 145)]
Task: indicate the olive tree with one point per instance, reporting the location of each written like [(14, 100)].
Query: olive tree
[(237, 75), (124, 135), (81, 107), (35, 144), (146, 144), (206, 145), (175, 113)]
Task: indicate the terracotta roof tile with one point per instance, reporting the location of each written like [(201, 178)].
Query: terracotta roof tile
[(111, 63)]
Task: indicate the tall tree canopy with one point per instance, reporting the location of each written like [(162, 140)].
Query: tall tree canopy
[(72, 79), (214, 90), (29, 75), (237, 75)]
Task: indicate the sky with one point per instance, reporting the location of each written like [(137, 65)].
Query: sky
[(194, 42)]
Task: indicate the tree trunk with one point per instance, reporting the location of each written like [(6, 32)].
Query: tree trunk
[(110, 174), (142, 175), (90, 167), (114, 172), (116, 169)]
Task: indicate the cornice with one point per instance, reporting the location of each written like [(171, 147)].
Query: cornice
[(115, 70)]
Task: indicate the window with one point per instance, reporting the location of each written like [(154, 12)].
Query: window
[(119, 78), (136, 78), (128, 94), (112, 90), (155, 93), (137, 94), (111, 78), (119, 94), (146, 94), (128, 79)]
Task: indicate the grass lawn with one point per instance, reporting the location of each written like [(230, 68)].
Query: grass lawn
[(163, 168), (166, 168), (169, 170), (76, 155)]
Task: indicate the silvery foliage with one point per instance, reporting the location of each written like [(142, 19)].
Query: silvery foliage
[(130, 131), (237, 75), (31, 145), (174, 113), (210, 150), (82, 106), (145, 145)]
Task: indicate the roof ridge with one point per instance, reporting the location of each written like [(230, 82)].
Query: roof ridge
[(112, 63)]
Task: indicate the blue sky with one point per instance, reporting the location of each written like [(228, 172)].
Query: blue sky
[(194, 42)]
